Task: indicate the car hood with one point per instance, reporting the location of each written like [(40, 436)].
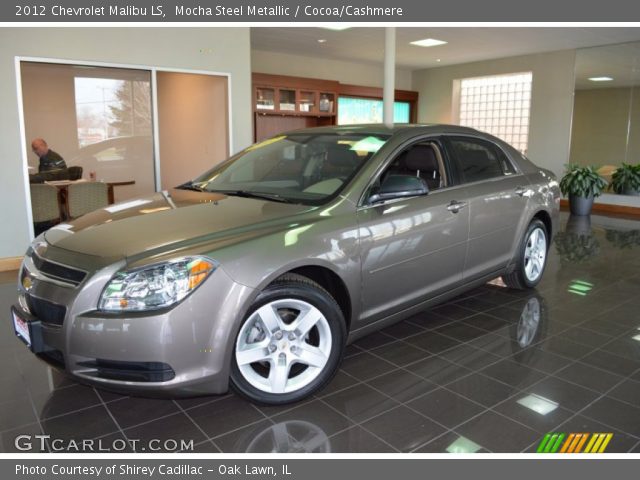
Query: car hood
[(169, 221)]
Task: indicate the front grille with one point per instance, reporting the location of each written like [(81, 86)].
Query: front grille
[(130, 371), (46, 311), (57, 271)]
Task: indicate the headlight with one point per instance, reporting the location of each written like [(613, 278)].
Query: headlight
[(156, 286)]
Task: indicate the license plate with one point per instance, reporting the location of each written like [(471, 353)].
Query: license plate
[(21, 327)]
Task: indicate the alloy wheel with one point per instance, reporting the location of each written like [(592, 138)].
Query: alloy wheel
[(283, 346), (535, 254)]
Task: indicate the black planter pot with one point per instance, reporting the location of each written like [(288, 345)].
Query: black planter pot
[(580, 205)]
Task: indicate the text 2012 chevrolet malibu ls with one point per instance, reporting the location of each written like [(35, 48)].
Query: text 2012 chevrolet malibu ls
[(257, 273)]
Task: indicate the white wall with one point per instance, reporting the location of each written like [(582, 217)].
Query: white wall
[(363, 74), (192, 125), (551, 99), (161, 47)]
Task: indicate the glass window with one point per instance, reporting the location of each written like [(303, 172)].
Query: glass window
[(352, 111), (299, 168), (96, 118), (480, 160), (422, 160), (506, 106), (109, 108)]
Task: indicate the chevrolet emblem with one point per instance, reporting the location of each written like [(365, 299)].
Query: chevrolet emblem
[(27, 283)]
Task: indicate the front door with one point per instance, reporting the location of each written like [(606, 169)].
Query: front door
[(413, 248)]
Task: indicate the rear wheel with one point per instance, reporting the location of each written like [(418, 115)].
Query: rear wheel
[(290, 344), (532, 258)]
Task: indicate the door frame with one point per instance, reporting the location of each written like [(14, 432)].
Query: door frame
[(154, 111)]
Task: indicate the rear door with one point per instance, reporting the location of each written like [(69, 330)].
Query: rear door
[(497, 194)]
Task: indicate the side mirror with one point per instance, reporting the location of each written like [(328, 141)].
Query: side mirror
[(399, 186)]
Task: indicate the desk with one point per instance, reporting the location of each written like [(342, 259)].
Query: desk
[(63, 185), (117, 184)]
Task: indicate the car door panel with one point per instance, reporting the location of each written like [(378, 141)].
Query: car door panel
[(495, 210), (497, 195), (411, 249)]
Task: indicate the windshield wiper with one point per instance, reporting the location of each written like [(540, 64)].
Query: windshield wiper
[(190, 186), (249, 194)]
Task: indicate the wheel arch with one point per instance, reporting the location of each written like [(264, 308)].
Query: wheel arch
[(545, 218), (324, 276)]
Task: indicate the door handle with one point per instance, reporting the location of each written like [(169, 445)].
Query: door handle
[(520, 191), (455, 206)]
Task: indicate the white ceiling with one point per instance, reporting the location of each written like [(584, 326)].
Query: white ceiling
[(465, 44), (620, 62)]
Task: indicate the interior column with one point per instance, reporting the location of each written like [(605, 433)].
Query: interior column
[(388, 90)]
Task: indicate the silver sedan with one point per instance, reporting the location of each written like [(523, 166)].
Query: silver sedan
[(258, 273)]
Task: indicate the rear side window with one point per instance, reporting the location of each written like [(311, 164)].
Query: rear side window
[(479, 159)]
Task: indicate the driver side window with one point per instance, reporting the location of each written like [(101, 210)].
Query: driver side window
[(423, 160)]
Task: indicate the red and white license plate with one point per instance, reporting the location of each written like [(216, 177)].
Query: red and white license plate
[(21, 327)]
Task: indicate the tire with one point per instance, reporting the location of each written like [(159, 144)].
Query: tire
[(274, 361), (531, 258)]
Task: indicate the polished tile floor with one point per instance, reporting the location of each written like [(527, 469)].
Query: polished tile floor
[(491, 371)]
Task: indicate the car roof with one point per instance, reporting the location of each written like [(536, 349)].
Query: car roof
[(382, 129)]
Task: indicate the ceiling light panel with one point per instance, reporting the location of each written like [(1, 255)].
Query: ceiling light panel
[(428, 42)]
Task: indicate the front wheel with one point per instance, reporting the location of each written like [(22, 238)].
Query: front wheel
[(290, 344), (532, 258)]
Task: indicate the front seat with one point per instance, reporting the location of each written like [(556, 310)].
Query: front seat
[(341, 162), (422, 160)]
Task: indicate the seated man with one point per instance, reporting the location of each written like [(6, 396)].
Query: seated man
[(49, 160)]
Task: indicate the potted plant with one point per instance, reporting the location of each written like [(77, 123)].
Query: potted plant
[(626, 179), (581, 184)]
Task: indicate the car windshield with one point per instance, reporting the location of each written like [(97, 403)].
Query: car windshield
[(297, 168)]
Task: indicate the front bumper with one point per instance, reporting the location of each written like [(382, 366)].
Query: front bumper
[(181, 351)]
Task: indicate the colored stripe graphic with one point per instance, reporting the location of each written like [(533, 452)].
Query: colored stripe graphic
[(568, 442), (599, 442), (550, 443), (581, 443), (607, 439), (574, 443)]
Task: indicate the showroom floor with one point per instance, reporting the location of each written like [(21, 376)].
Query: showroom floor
[(492, 371)]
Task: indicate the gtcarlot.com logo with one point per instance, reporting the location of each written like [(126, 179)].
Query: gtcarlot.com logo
[(574, 442), (44, 443)]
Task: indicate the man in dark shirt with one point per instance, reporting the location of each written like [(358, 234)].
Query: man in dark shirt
[(49, 160)]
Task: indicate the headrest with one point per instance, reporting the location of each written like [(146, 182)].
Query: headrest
[(421, 157), (342, 157)]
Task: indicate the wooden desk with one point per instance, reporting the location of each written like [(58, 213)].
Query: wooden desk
[(117, 184)]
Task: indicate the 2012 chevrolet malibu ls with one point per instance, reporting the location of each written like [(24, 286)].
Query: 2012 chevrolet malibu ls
[(261, 270)]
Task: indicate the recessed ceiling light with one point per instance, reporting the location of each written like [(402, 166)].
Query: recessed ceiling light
[(600, 79), (428, 42), (438, 60), (322, 40), (337, 27)]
